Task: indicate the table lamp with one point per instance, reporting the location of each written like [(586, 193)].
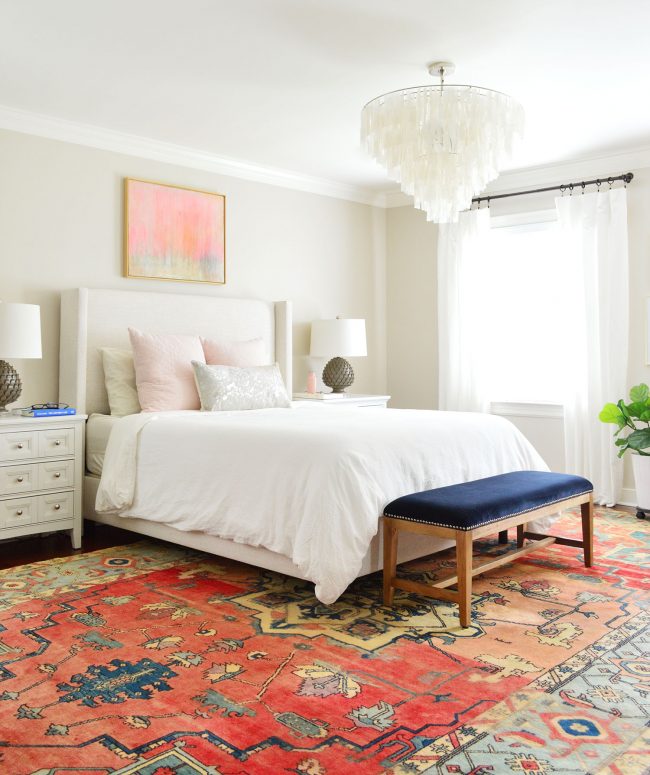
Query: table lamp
[(20, 337), (339, 337)]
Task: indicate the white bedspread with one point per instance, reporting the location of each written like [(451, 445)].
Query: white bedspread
[(307, 482)]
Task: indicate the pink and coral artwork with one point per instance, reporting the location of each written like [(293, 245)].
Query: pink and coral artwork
[(174, 233)]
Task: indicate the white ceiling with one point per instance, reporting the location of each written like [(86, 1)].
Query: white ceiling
[(281, 83)]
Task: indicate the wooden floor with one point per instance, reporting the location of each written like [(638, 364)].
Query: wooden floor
[(21, 551)]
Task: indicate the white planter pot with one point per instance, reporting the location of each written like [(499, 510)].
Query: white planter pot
[(641, 468)]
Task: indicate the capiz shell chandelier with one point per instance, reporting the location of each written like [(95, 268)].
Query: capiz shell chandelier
[(442, 144)]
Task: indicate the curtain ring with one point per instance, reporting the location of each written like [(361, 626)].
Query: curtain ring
[(570, 189), (488, 203), (598, 185), (562, 189), (610, 181), (583, 184)]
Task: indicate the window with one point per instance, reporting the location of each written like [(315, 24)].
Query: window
[(526, 310)]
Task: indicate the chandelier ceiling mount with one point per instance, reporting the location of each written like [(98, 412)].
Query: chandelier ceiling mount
[(441, 69)]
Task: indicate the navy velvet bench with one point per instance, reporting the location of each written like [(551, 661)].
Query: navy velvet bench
[(479, 508)]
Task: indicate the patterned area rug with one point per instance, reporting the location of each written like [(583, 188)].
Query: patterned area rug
[(154, 660)]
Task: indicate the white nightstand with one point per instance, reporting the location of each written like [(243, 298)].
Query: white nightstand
[(41, 472), (343, 399)]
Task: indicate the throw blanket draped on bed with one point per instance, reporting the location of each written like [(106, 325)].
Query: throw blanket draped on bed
[(307, 482)]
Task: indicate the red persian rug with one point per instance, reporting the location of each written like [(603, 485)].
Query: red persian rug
[(154, 660)]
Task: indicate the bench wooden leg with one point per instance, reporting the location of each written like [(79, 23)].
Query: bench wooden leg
[(521, 529), (390, 561), (587, 510), (464, 567), (503, 536)]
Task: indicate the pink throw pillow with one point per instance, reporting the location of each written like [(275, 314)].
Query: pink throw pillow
[(163, 370), (240, 354)]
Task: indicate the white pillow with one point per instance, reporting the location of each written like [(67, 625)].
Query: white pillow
[(119, 378), (227, 388)]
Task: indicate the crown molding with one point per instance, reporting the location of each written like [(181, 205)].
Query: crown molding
[(54, 128), (18, 120), (548, 174), (395, 198), (571, 171)]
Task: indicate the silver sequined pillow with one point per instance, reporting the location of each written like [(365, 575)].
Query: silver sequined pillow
[(227, 388)]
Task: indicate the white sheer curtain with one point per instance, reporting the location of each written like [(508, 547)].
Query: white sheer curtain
[(460, 252), (594, 228)]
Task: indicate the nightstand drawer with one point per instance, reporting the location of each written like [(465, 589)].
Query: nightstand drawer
[(58, 473), (17, 512), (58, 505), (56, 442), (18, 445), (18, 478)]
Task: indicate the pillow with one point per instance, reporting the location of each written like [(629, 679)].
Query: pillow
[(119, 378), (248, 353), (225, 388), (163, 370)]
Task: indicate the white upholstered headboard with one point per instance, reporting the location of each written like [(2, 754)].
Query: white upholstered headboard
[(93, 318)]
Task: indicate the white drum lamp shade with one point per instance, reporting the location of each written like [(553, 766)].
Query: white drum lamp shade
[(20, 337), (343, 336), (20, 330), (333, 339)]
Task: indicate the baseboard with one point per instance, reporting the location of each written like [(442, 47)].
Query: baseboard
[(628, 497)]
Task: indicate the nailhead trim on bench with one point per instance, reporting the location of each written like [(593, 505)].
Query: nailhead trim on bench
[(487, 522)]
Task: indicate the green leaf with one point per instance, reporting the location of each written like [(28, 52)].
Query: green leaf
[(645, 416), (621, 442), (637, 409), (611, 413), (639, 393), (639, 440)]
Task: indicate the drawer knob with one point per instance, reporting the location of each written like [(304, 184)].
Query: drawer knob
[(19, 512), (57, 506), (57, 443), (20, 478), (57, 475), (20, 445)]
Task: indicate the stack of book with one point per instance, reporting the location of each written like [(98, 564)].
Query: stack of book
[(45, 412)]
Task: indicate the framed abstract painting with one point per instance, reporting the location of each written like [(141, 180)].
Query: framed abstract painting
[(174, 233)]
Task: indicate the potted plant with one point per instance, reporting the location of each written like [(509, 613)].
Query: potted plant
[(634, 417)]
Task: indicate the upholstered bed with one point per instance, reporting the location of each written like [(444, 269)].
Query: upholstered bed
[(91, 319)]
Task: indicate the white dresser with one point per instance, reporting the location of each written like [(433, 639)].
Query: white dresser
[(41, 473)]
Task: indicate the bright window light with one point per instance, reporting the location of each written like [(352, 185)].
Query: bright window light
[(526, 311)]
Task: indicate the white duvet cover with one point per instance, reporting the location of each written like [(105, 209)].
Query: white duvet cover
[(308, 482)]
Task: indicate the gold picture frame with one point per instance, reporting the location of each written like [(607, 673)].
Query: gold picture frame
[(174, 233)]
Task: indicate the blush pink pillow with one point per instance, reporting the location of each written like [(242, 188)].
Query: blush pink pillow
[(163, 370), (240, 354)]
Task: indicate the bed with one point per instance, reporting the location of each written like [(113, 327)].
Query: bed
[(94, 318)]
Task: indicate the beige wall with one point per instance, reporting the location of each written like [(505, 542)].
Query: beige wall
[(411, 309), (61, 227)]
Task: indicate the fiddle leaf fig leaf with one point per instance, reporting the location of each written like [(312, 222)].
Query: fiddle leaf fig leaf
[(626, 417), (623, 409), (637, 409), (611, 413), (639, 393), (639, 440)]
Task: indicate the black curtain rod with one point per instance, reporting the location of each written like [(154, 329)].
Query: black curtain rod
[(564, 187)]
